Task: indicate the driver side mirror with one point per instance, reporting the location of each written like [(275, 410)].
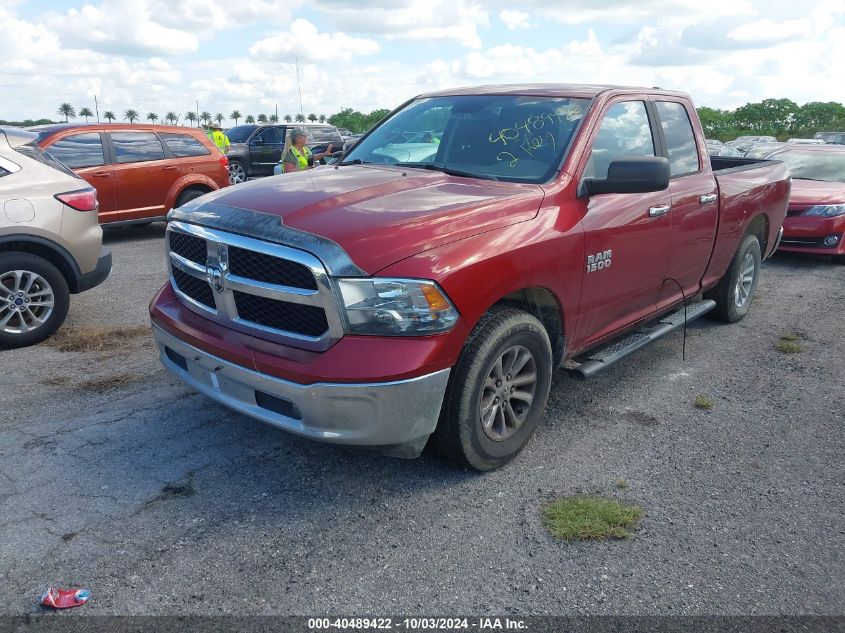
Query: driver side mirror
[(640, 174)]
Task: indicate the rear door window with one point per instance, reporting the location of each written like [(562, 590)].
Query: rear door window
[(184, 145), (136, 147), (625, 132), (680, 139), (79, 150)]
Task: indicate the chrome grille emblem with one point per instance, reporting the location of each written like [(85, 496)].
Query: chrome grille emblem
[(214, 276)]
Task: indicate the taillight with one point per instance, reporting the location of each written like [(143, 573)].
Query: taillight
[(81, 200), (224, 162)]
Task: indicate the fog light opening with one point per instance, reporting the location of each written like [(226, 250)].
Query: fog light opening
[(831, 240)]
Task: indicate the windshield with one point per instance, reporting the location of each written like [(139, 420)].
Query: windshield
[(240, 133), (498, 137), (828, 166)]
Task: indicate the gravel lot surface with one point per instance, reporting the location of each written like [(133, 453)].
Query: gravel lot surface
[(161, 501)]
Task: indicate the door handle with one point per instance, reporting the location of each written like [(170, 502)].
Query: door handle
[(707, 198), (656, 212), (101, 174), (168, 168)]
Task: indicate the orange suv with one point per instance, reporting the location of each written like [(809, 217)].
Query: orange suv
[(140, 171)]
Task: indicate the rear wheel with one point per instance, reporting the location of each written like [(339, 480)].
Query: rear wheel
[(34, 299), (237, 172), (188, 195), (735, 291), (497, 392)]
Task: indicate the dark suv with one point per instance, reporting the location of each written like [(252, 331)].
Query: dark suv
[(256, 149)]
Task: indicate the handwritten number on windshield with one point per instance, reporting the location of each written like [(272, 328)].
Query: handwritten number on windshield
[(530, 142)]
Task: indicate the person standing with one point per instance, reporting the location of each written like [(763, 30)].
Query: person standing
[(219, 137), (299, 157)]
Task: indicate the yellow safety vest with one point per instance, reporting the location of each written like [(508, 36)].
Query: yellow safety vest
[(301, 159), (220, 140)]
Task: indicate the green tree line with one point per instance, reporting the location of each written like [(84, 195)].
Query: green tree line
[(782, 118)]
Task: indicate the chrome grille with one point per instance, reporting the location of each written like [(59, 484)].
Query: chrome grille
[(272, 291)]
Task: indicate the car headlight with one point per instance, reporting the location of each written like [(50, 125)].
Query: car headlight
[(826, 210), (396, 307)]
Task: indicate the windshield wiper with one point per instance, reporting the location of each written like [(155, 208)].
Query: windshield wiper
[(355, 161), (447, 170)]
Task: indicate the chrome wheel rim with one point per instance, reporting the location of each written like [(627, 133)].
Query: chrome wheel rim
[(508, 392), (237, 174), (745, 281), (26, 301)]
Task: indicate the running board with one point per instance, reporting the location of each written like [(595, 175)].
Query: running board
[(602, 358)]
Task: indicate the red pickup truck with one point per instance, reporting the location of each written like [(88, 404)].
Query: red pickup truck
[(428, 284)]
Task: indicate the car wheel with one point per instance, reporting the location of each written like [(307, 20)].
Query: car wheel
[(188, 195), (497, 392), (34, 299), (735, 291), (237, 173)]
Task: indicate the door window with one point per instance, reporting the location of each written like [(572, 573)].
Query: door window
[(624, 133), (183, 145), (680, 140), (135, 147), (270, 136), (79, 150)]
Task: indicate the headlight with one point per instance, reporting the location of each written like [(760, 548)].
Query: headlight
[(396, 307), (826, 211)]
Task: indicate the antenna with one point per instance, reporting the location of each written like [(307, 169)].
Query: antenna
[(96, 108), (298, 85)]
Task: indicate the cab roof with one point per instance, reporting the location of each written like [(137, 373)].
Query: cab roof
[(585, 91)]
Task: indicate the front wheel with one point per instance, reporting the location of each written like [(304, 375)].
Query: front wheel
[(497, 392), (237, 173), (735, 291), (34, 299)]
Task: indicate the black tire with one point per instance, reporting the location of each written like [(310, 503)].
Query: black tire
[(460, 434), (46, 278), (188, 195), (732, 303), (237, 172)]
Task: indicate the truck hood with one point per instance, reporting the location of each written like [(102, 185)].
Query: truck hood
[(379, 215), (808, 193)]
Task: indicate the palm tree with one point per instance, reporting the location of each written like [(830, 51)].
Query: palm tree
[(205, 117), (191, 116), (219, 118), (66, 110), (109, 116), (322, 118), (152, 116), (171, 117), (274, 118), (262, 118), (300, 118), (249, 119), (288, 118), (312, 117), (86, 112), (236, 114), (131, 115)]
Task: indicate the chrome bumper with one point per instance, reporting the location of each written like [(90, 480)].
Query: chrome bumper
[(393, 417)]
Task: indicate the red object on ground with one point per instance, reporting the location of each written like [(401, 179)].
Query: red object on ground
[(64, 598)]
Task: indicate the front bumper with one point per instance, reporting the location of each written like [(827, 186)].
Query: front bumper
[(98, 275), (393, 417)]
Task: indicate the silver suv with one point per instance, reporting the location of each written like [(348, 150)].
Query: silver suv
[(51, 244)]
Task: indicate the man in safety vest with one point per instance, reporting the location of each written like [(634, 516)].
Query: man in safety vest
[(219, 138), (300, 157)]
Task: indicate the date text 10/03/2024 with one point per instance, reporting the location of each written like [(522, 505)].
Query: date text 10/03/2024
[(418, 624)]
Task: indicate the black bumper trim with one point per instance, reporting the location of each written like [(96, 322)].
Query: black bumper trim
[(96, 276)]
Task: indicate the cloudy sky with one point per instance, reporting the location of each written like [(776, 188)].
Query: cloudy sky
[(160, 55)]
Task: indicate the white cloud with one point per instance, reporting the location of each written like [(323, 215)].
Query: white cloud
[(767, 30), (306, 42), (515, 19)]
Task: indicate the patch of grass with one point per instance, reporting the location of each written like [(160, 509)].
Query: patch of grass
[(788, 345), (789, 337), (704, 402), (622, 484), (95, 339), (108, 383), (590, 518)]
